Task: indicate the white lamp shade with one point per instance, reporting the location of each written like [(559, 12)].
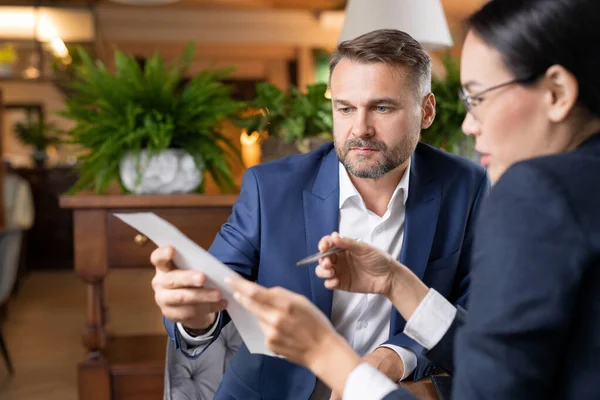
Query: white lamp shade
[(424, 20)]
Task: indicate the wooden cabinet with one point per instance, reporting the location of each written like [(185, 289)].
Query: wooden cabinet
[(128, 367), (49, 242)]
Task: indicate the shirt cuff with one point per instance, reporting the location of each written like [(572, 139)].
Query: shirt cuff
[(408, 357), (366, 382), (193, 341), (431, 320)]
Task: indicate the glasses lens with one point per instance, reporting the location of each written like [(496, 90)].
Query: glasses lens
[(465, 99)]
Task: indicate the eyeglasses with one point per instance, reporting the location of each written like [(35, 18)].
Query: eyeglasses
[(471, 101)]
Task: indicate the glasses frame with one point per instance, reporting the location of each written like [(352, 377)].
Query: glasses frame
[(467, 99)]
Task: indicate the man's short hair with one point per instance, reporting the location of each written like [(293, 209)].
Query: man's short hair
[(392, 47)]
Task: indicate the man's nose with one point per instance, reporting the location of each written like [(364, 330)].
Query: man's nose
[(362, 126)]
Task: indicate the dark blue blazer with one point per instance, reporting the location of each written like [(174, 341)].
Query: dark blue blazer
[(286, 206), (533, 327)]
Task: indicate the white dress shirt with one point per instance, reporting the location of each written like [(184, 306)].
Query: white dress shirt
[(364, 319), (428, 324)]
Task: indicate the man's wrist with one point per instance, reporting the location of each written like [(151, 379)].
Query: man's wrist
[(203, 330)]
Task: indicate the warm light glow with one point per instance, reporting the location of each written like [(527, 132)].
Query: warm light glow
[(59, 48), (251, 153), (31, 73), (51, 26), (71, 25), (46, 31), (248, 140), (16, 22), (328, 94)]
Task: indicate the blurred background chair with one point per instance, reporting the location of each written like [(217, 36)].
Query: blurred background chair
[(18, 217), (10, 247), (199, 379)]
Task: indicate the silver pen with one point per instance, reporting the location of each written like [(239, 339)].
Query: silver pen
[(315, 257)]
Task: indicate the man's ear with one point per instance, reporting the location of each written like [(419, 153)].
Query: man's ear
[(562, 91), (427, 111)]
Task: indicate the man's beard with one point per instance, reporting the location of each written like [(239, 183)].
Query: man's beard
[(363, 167)]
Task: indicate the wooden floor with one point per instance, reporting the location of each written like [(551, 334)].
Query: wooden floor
[(45, 320)]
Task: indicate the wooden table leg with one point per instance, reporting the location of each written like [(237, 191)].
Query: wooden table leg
[(94, 335), (104, 317), (93, 374), (91, 264)]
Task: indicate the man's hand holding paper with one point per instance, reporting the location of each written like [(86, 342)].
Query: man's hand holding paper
[(181, 294), (192, 282)]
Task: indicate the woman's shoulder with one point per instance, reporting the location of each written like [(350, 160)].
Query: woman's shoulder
[(563, 186)]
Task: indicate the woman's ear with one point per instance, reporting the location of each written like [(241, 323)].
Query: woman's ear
[(428, 111), (562, 92)]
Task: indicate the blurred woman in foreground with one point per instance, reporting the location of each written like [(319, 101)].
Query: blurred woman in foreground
[(532, 90)]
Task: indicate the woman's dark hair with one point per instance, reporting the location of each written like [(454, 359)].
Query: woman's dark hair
[(533, 35)]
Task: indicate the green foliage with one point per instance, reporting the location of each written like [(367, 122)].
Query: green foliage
[(446, 132), (139, 108), (37, 133), (293, 116), (270, 104)]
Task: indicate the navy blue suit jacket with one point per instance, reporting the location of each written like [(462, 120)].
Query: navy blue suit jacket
[(284, 209), (533, 326)]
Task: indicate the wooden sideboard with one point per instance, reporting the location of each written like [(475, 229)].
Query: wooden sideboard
[(128, 367)]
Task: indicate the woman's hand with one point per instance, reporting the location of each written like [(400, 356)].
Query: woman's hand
[(362, 268), (296, 329)]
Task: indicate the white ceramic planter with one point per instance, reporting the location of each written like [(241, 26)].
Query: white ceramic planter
[(166, 172)]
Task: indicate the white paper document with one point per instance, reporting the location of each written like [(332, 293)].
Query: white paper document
[(188, 255)]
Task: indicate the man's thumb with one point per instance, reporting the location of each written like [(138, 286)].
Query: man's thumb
[(162, 258)]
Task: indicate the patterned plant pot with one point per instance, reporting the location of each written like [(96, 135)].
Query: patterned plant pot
[(166, 172)]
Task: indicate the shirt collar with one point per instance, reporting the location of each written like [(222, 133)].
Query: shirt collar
[(348, 191)]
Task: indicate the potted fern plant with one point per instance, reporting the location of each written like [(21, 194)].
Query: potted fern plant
[(296, 122), (148, 127), (446, 131), (37, 133)]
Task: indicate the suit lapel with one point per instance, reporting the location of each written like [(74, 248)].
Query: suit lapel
[(422, 209), (321, 217)]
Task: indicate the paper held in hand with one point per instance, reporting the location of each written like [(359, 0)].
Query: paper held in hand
[(188, 255)]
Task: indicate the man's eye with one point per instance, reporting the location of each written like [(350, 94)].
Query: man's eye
[(382, 108), (345, 110)]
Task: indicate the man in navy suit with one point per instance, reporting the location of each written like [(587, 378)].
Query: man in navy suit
[(376, 183)]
